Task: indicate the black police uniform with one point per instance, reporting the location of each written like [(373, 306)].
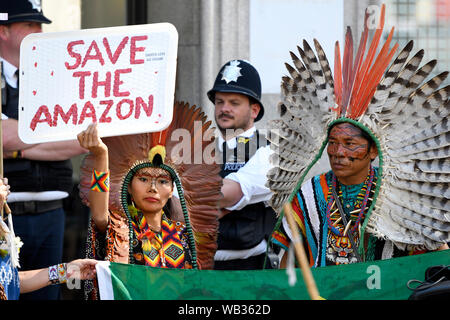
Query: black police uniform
[(245, 228), (33, 176)]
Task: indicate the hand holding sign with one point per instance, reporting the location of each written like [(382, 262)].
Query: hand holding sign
[(90, 140), (122, 78)]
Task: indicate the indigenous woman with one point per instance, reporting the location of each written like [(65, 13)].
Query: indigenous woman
[(147, 201)]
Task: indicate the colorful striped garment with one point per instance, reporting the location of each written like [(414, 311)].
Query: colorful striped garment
[(322, 231)]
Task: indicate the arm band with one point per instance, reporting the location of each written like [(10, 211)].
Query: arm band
[(100, 181), (58, 273)]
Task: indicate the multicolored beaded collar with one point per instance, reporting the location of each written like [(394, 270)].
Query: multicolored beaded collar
[(160, 249), (362, 199)]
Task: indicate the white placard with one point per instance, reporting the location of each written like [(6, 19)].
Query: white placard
[(123, 78)]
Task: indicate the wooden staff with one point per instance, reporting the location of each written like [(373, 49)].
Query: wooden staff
[(301, 254)]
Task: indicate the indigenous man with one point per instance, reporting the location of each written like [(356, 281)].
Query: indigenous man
[(357, 212)]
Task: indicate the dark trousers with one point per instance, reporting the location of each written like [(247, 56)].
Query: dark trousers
[(252, 263), (43, 236)]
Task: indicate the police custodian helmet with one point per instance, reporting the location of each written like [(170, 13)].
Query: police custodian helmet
[(22, 10), (238, 76)]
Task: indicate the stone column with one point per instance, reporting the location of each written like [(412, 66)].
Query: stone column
[(224, 35)]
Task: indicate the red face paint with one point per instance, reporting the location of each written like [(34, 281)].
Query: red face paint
[(346, 141), (349, 153)]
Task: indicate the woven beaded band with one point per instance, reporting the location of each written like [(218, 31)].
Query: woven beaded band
[(58, 273), (100, 181)]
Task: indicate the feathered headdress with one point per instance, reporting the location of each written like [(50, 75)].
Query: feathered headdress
[(405, 117), (197, 181)]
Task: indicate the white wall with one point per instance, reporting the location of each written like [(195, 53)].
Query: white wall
[(65, 15), (278, 26)]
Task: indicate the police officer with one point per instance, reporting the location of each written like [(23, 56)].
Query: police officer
[(40, 175), (246, 221)]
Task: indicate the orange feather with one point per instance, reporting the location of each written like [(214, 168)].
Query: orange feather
[(356, 81), (347, 69), (361, 81), (337, 78), (373, 77)]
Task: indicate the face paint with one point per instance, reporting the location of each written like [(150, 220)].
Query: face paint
[(346, 141), (350, 153), (156, 177)]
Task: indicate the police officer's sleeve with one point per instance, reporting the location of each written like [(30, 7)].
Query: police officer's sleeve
[(252, 178)]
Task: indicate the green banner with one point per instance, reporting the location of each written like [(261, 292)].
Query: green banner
[(384, 279)]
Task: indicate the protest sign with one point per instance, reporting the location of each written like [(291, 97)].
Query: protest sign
[(123, 78)]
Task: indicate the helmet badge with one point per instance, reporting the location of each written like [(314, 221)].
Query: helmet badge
[(231, 72), (36, 4)]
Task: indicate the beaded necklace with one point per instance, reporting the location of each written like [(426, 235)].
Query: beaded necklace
[(160, 249), (334, 219)]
